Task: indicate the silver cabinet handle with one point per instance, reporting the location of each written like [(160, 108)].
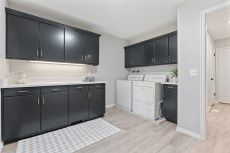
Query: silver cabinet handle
[(41, 52), (23, 91), (170, 87), (43, 100), (82, 58), (55, 90), (37, 52), (99, 87), (38, 100), (79, 87)]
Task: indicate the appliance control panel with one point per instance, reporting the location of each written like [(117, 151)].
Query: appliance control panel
[(155, 78), (136, 77)]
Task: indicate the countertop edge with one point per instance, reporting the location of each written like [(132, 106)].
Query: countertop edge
[(49, 84)]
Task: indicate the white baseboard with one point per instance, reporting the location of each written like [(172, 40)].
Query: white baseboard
[(1, 146), (189, 133), (110, 106)]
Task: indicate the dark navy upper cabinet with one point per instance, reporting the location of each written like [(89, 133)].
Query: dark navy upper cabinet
[(150, 53), (91, 49), (33, 38), (52, 42), (22, 41), (158, 51), (173, 48), (74, 48), (81, 46), (162, 50), (135, 56)]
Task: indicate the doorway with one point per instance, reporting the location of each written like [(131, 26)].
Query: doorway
[(217, 72)]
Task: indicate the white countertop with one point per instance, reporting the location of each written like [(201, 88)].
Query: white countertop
[(42, 84), (172, 83)]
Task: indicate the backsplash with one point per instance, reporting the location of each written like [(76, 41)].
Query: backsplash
[(43, 71)]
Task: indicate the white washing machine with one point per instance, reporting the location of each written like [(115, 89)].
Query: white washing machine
[(125, 91), (148, 95)]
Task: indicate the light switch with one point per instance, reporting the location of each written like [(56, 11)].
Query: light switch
[(193, 72)]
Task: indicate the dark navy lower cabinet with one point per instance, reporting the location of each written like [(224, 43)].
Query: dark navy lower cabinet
[(20, 113), (169, 107), (28, 112), (96, 96), (78, 103), (54, 104)]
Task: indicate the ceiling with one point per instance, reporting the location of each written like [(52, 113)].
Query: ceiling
[(125, 19), (218, 23)]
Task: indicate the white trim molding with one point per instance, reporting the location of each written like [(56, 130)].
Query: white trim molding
[(1, 146), (189, 133), (110, 106)]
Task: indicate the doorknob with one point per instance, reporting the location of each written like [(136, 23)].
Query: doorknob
[(212, 79)]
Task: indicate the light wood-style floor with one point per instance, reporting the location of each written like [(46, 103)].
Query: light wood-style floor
[(142, 136)]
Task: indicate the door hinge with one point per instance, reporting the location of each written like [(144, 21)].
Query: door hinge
[(214, 54), (214, 94)]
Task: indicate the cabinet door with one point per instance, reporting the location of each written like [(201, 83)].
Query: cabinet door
[(173, 48), (163, 50), (96, 101), (135, 56), (21, 117), (54, 108), (150, 53), (78, 104), (22, 38), (169, 109), (74, 45), (91, 49), (51, 42)]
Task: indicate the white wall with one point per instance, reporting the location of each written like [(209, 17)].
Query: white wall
[(2, 48), (3, 67), (211, 69), (110, 69), (155, 33), (190, 53), (222, 43)]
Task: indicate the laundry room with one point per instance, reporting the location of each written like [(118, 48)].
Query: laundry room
[(150, 89)]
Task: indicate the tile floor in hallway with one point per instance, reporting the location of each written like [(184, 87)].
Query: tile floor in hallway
[(142, 136)]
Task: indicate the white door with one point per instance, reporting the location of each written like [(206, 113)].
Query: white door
[(223, 75)]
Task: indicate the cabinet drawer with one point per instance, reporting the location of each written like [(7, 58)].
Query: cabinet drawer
[(77, 87), (53, 89), (20, 91), (99, 86)]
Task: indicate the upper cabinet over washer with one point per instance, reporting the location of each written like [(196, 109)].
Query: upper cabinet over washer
[(157, 51), (32, 38)]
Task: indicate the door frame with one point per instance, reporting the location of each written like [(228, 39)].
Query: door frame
[(204, 72)]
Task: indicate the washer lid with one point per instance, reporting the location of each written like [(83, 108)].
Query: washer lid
[(136, 77)]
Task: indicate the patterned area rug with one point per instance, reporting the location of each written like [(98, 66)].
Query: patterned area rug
[(68, 140)]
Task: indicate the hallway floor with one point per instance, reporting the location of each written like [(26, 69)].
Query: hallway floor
[(142, 136)]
